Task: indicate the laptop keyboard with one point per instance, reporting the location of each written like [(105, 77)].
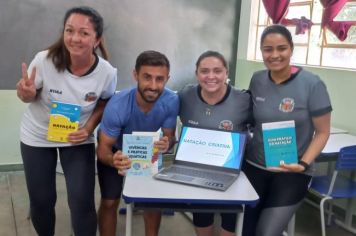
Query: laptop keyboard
[(217, 177)]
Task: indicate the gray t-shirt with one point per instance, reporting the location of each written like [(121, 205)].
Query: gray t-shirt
[(300, 98), (232, 113)]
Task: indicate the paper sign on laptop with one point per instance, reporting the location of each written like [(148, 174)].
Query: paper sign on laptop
[(206, 158), (209, 149)]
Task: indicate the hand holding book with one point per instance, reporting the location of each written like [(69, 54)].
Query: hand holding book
[(121, 162), (283, 167), (162, 144), (78, 136)]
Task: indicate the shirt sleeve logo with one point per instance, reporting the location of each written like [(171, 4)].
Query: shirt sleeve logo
[(287, 105)]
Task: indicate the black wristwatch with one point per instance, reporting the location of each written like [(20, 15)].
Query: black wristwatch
[(304, 164)]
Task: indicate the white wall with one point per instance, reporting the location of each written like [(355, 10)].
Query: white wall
[(181, 29), (11, 110)]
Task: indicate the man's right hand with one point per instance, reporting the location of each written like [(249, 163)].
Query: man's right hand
[(121, 162), (26, 88)]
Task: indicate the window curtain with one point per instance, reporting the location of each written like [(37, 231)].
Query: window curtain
[(331, 9), (277, 9)]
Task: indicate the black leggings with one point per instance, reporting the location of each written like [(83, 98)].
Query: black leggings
[(78, 163), (280, 196)]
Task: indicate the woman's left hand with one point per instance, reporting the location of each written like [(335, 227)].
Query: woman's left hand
[(79, 136), (288, 168)]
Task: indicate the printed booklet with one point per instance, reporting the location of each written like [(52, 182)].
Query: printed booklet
[(63, 120), (279, 141), (146, 160)]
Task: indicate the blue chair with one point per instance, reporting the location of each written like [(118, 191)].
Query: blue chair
[(336, 186)]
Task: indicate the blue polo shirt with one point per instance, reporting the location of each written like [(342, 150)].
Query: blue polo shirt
[(123, 116)]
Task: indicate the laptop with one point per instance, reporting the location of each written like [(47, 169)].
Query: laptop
[(206, 158)]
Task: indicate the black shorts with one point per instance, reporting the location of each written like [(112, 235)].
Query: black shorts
[(228, 220), (110, 181)]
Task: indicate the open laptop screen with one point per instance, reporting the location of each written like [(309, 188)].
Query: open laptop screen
[(211, 147)]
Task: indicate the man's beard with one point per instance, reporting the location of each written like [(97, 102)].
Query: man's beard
[(142, 94)]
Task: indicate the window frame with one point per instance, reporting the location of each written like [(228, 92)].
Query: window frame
[(323, 40)]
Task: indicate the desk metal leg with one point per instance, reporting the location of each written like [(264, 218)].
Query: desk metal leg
[(240, 220), (129, 219)]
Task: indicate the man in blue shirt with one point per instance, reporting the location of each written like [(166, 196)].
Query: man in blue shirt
[(147, 107)]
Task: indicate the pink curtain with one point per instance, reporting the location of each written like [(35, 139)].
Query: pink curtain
[(331, 9), (277, 9)]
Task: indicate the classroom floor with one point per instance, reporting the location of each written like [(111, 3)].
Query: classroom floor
[(14, 210)]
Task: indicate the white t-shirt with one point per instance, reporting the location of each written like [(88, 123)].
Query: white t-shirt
[(67, 88)]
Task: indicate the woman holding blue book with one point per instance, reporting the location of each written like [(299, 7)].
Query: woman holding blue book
[(69, 75), (283, 93)]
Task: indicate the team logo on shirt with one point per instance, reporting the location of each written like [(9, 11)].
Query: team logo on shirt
[(226, 125), (287, 105), (90, 97)]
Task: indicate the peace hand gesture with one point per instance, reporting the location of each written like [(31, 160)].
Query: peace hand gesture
[(26, 89)]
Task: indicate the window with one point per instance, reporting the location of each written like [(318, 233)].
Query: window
[(316, 47)]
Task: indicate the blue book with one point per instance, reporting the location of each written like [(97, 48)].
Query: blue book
[(279, 142), (139, 149), (157, 159), (63, 120)]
